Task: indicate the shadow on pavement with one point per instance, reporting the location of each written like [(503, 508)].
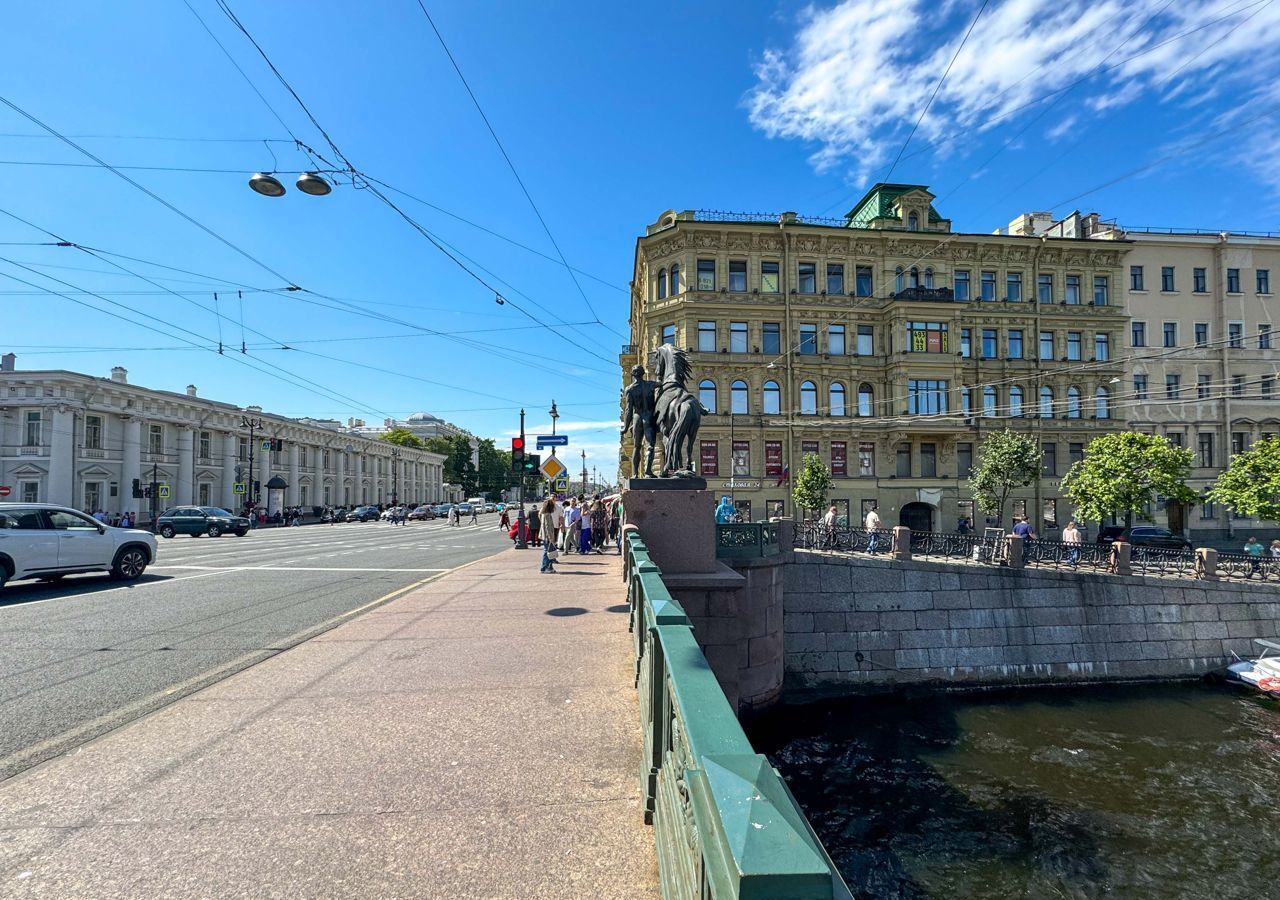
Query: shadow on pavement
[(16, 594)]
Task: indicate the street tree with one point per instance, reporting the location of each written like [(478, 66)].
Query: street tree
[(1007, 460), (1251, 484), (402, 437), (1124, 473), (812, 484), (458, 467)]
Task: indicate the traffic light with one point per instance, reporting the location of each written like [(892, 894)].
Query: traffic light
[(277, 444), (137, 488), (517, 454), (532, 462)]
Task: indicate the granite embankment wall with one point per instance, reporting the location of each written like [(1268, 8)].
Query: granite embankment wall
[(852, 621)]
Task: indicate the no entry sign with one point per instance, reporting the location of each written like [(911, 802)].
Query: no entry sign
[(5, 490)]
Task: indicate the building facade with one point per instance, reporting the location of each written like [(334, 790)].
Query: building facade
[(422, 425), (81, 441), (886, 344)]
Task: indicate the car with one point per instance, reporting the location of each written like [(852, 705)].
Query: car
[(442, 510), (1143, 536), (421, 514), (41, 540), (198, 520), (489, 507), (464, 509), (363, 514)]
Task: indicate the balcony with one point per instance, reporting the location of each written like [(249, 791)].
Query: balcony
[(928, 295)]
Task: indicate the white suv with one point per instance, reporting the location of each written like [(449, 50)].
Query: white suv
[(39, 540)]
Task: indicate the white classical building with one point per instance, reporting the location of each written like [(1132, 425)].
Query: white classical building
[(81, 441), (422, 425)]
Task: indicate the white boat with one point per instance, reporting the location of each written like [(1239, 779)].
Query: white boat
[(1262, 673)]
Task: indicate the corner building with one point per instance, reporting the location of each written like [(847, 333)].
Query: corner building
[(885, 343)]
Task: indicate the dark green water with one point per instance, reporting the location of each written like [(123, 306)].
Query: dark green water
[(1168, 791)]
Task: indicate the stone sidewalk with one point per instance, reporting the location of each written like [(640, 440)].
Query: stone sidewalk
[(475, 737)]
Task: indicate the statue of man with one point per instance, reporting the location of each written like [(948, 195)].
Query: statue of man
[(638, 419)]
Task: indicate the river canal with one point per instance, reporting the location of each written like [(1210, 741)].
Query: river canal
[(1169, 791)]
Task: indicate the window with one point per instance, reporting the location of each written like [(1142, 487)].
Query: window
[(769, 277), (1101, 290), (1239, 441), (1101, 403), (1140, 387), (662, 284), (964, 459), (1135, 279), (1264, 335), (835, 278), (928, 460), (1237, 385), (1075, 453), (1015, 343), (1102, 347), (242, 448), (669, 334), (1013, 286), (707, 337), (1139, 334), (1048, 458), (32, 436), (1172, 386), (898, 281), (741, 458), (988, 286), (835, 340), (866, 343), (772, 338), (1166, 278), (737, 337), (839, 459), (709, 458), (1171, 334), (1046, 402), (155, 439), (1198, 281), (1015, 401), (1073, 345), (836, 398), (913, 222), (92, 500), (1264, 281), (1203, 386), (1206, 449), (707, 395), (738, 398), (904, 461), (93, 432), (1233, 281), (774, 509), (738, 276), (29, 491), (862, 281), (1046, 345), (808, 281), (808, 448), (961, 279), (966, 403), (927, 337), (1207, 511), (866, 401), (1073, 290), (1073, 402), (808, 399), (989, 350), (1044, 288), (966, 342), (205, 494), (989, 401), (1267, 385), (1202, 334), (675, 279), (206, 441), (926, 396), (866, 460), (928, 278), (1235, 335), (706, 274), (772, 399), (808, 339), (773, 459)]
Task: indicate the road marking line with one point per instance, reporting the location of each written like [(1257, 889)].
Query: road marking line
[(270, 568)]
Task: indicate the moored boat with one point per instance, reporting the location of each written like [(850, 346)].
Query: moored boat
[(1263, 673)]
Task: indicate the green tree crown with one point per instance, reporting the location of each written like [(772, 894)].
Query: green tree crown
[(1251, 484), (403, 437), (1006, 461), (812, 484), (1123, 473)]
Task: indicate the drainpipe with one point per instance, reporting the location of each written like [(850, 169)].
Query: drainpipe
[(1035, 276), (785, 284), (1220, 302)]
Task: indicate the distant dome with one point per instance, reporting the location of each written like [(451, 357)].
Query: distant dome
[(423, 417)]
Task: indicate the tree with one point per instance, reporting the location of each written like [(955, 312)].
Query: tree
[(812, 484), (1123, 473), (458, 467), (402, 437), (1251, 484), (494, 472), (1007, 460)]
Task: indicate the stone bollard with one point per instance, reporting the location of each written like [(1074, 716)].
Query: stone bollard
[(786, 532), (1206, 564), (1121, 551), (901, 543), (1015, 557)]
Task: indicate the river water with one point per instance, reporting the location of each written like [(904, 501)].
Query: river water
[(1169, 791)]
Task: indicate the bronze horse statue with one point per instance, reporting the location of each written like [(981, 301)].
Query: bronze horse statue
[(678, 412)]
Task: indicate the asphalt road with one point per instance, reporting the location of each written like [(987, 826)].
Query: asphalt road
[(85, 656)]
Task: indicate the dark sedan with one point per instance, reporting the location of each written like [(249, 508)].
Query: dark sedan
[(364, 514), (198, 520), (1144, 536), (422, 513)]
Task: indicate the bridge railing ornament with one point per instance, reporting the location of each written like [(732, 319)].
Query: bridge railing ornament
[(747, 540), (1246, 567)]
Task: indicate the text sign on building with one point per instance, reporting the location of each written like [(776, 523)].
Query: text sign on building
[(552, 468), (553, 440), (739, 484), (238, 488)]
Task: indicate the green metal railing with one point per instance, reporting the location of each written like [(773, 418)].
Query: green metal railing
[(749, 540), (725, 824)]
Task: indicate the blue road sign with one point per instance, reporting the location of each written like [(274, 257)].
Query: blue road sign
[(552, 440)]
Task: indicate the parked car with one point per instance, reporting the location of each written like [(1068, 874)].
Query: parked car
[(40, 540), (421, 514), (363, 514), (198, 520), (1143, 536)]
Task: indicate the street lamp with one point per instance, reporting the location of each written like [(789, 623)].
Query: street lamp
[(395, 476), (266, 184), (253, 423)]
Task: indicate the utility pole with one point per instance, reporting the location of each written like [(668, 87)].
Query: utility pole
[(253, 424), (521, 543), (155, 489), (395, 476), (584, 472)]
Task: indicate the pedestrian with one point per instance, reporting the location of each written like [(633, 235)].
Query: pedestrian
[(599, 524), (872, 524), (1275, 549), (1022, 528), (549, 551), (505, 522), (475, 514), (1254, 549), (829, 527), (724, 511), (533, 522), (574, 520), (1072, 538), (615, 524), (453, 516), (963, 526)]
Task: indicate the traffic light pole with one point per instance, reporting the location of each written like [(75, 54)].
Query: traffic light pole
[(521, 543)]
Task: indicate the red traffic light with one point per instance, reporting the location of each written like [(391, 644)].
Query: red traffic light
[(517, 443)]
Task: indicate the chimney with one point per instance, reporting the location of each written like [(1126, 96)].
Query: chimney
[(191, 390), (7, 362), (120, 374)]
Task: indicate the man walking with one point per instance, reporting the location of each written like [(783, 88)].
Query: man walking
[(475, 514), (1022, 528), (872, 525)]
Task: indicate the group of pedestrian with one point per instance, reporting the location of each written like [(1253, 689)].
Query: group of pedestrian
[(116, 520), (578, 525)]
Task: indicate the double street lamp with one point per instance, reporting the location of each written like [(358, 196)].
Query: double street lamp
[(253, 423), (313, 183)]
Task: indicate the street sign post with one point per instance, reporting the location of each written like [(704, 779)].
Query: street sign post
[(561, 485), (552, 468), (5, 490), (266, 445), (553, 440), (238, 488)]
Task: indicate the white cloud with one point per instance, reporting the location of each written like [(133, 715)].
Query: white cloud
[(859, 73)]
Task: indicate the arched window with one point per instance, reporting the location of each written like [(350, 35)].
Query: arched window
[(1102, 403), (913, 222), (707, 394), (837, 399), (865, 400), (988, 401), (1073, 402), (675, 279), (897, 279), (772, 399), (738, 398), (1046, 402), (808, 399), (662, 284), (915, 277), (928, 278), (1015, 402)]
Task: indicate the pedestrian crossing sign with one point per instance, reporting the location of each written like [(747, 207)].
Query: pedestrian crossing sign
[(162, 491), (561, 485), (238, 488), (552, 468)]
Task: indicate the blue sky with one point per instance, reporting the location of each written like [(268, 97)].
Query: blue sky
[(1149, 111)]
